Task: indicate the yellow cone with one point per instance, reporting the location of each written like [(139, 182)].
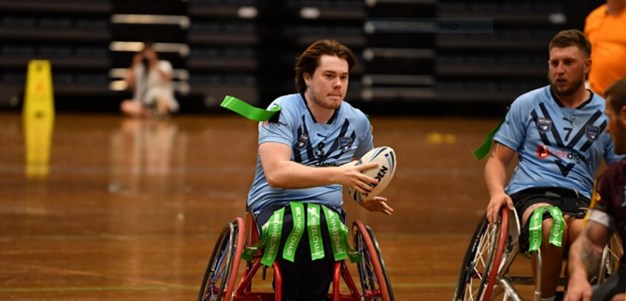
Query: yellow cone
[(38, 118)]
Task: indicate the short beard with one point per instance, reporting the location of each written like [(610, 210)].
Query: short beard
[(575, 85)]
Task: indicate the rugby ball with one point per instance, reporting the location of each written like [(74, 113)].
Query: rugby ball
[(386, 159)]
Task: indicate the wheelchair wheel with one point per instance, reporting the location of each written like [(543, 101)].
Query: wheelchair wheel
[(372, 272), (482, 260), (611, 255), (219, 278)]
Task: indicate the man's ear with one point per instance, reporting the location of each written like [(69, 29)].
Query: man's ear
[(622, 115)]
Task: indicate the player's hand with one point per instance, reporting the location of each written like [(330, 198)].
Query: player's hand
[(495, 203), (377, 204), (351, 175), (578, 289)]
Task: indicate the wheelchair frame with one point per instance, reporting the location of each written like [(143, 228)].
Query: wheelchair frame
[(491, 253), (220, 277)]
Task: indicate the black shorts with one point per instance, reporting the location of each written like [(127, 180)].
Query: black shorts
[(568, 200)]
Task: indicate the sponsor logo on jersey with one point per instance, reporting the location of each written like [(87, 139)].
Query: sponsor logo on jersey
[(544, 152)]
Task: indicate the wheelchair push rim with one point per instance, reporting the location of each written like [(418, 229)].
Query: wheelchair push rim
[(221, 272), (373, 275), (481, 264)]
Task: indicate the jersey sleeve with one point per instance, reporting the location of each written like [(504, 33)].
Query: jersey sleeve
[(366, 136), (512, 131), (601, 205), (281, 130)]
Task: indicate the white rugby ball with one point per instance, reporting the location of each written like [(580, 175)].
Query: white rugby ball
[(386, 159)]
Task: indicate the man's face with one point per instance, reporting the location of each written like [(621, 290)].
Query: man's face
[(567, 70), (329, 82), (616, 126)]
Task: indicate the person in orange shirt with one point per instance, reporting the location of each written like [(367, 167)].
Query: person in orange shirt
[(605, 27)]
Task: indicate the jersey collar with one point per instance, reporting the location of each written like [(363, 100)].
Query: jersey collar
[(332, 118), (558, 102)]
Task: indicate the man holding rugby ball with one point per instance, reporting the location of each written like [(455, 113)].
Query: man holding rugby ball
[(302, 168)]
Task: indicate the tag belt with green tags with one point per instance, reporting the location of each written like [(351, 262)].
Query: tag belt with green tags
[(272, 230), (535, 232)]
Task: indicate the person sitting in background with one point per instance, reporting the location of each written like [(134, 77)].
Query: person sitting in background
[(605, 27), (150, 79)]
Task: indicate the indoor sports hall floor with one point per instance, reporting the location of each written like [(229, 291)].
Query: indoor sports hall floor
[(130, 209)]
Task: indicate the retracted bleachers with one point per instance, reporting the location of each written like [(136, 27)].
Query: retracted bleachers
[(399, 55), (223, 59), (407, 56), (73, 35), (495, 66)]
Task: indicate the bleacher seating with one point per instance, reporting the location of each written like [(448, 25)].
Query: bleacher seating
[(247, 48)]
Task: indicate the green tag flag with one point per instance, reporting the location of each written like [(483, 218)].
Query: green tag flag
[(535, 232), (246, 110), (270, 239), (293, 240), (315, 232), (483, 150), (339, 237)]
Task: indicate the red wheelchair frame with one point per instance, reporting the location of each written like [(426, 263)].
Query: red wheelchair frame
[(220, 278)]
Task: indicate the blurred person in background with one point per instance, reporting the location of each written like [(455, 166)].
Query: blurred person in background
[(605, 27), (150, 79)]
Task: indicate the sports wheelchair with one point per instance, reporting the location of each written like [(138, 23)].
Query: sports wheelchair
[(486, 272), (220, 278)]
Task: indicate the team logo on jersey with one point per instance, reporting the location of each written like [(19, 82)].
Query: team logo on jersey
[(544, 124), (344, 142), (592, 132), (303, 140)]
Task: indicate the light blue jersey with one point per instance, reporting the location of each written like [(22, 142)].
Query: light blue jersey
[(556, 146), (347, 135)]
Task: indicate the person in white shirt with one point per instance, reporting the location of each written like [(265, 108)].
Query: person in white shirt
[(151, 82)]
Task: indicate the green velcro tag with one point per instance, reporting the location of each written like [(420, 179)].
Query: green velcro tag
[(339, 237), (535, 227), (273, 234), (246, 110), (315, 231), (293, 240), (249, 252), (272, 230), (483, 150)]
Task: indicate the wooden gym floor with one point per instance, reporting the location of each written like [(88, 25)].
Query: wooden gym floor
[(130, 209)]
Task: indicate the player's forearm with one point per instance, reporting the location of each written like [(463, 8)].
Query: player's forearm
[(495, 176), (584, 257), (294, 175)]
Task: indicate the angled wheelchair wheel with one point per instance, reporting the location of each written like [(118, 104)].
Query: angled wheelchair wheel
[(481, 264), (611, 255), (220, 276), (373, 275)]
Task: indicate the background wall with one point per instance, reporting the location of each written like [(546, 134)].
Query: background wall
[(414, 57)]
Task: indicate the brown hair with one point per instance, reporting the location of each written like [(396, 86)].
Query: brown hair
[(310, 58), (571, 37), (617, 92)]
